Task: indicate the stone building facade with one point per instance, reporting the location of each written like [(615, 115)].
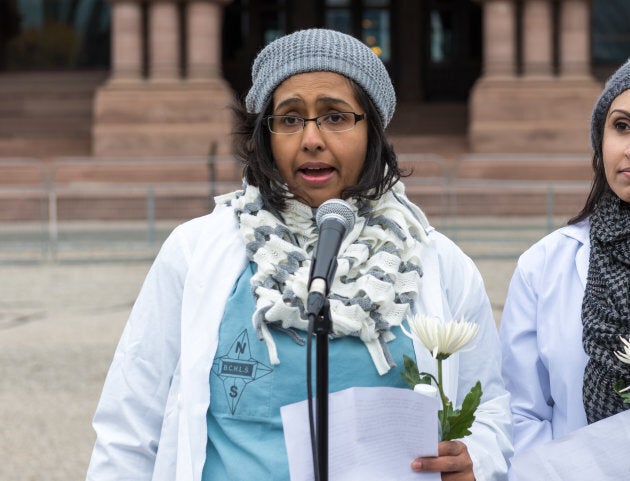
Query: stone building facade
[(505, 75), (177, 103), (537, 89)]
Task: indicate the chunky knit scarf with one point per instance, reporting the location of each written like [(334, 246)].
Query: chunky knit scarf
[(606, 307), (378, 274)]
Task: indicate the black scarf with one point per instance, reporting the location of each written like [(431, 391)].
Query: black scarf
[(606, 307)]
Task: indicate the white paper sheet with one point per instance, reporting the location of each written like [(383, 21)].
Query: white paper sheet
[(599, 451), (373, 435)]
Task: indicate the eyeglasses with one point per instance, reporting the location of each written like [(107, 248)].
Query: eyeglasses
[(292, 124)]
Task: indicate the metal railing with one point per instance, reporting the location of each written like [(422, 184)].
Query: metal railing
[(107, 209)]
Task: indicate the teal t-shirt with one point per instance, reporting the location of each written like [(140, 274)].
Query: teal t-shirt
[(245, 437)]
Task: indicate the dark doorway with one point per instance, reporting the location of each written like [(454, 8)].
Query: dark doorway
[(54, 35), (451, 48), (248, 26), (432, 48)]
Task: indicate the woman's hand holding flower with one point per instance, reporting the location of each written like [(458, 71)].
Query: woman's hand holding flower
[(443, 339), (453, 460)]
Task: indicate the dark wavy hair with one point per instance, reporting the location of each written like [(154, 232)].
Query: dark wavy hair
[(598, 189), (252, 147)]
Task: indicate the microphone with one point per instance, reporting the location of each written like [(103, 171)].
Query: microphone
[(334, 220)]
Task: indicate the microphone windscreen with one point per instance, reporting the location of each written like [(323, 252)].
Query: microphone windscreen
[(336, 209)]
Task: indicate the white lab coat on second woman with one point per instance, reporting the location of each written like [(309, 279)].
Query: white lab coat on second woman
[(151, 419), (541, 337)]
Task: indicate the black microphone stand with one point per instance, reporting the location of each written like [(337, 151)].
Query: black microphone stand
[(322, 328)]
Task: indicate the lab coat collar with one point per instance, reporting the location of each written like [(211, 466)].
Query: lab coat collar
[(580, 232)]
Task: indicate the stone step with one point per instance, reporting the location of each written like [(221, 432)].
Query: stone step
[(427, 167), (44, 114), (474, 184), (85, 200), (70, 81), (550, 199), (65, 126), (63, 173), (48, 94), (515, 167), (44, 147), (431, 118)]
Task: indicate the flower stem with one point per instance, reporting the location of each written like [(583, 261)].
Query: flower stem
[(444, 399)]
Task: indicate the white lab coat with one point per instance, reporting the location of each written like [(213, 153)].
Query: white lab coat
[(541, 337), (151, 419)]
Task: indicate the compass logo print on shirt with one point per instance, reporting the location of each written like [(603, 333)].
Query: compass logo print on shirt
[(237, 369)]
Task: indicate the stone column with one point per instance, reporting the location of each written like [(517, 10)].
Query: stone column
[(575, 38), (167, 116), (499, 23), (537, 38), (203, 56), (126, 41), (163, 41), (536, 112)]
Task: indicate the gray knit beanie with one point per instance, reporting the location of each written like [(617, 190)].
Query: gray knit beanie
[(317, 50), (615, 85)]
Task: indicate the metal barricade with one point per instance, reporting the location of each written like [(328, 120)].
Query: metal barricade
[(72, 209)]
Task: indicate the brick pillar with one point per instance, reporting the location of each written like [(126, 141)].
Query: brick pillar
[(126, 41), (499, 23), (575, 38), (536, 112), (537, 38), (203, 55), (167, 115), (163, 40)]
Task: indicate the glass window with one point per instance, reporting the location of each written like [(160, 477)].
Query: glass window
[(337, 3), (339, 19), (273, 24), (610, 31), (441, 38), (368, 20), (271, 18), (58, 34), (375, 32)]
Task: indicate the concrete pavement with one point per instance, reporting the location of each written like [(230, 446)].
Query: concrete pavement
[(58, 328), (59, 324)]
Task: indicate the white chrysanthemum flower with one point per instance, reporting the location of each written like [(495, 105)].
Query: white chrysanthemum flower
[(442, 338), (625, 355)]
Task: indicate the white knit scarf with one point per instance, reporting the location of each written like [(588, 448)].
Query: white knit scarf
[(378, 276)]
